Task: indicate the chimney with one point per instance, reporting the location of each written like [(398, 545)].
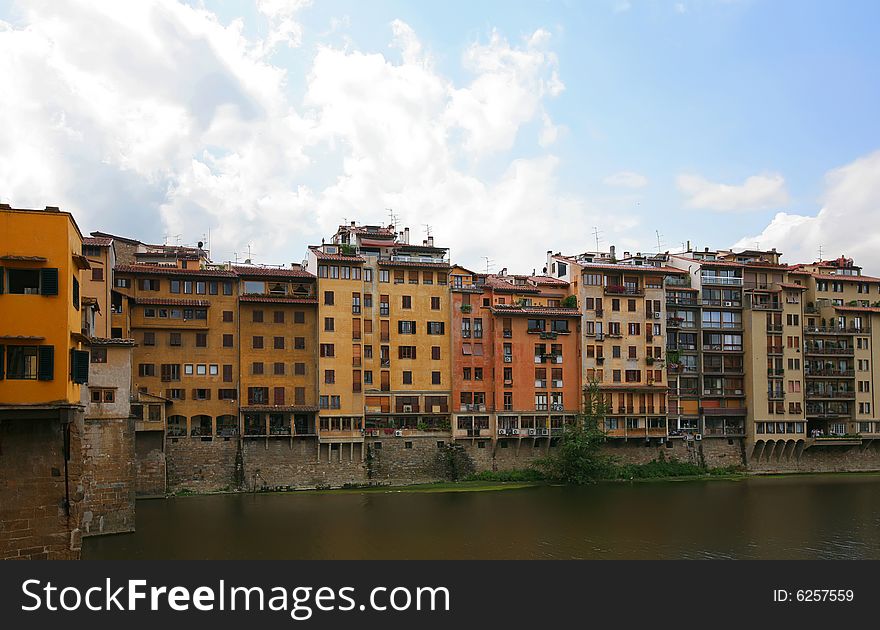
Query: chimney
[(503, 272), (688, 246), (352, 224), (430, 241), (626, 254), (406, 235), (611, 250), (706, 250)]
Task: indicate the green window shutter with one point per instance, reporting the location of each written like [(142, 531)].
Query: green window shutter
[(2, 360), (75, 293), (46, 363), (48, 281), (79, 366), (2, 278)]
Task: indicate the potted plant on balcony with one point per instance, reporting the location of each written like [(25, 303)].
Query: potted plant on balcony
[(649, 360), (466, 308)]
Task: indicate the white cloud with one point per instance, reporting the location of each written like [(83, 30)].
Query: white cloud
[(626, 179), (621, 6), (755, 193), (846, 223), (155, 118)]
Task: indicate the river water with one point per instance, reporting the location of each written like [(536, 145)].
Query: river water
[(833, 516)]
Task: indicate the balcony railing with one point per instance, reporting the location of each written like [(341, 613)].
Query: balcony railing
[(774, 328), (834, 330), (774, 349), (848, 395), (830, 373), (722, 280), (810, 349), (619, 289), (677, 281), (766, 306)]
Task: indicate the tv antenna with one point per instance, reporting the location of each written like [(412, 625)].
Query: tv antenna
[(659, 241), (596, 233), (820, 252), (489, 262), (427, 227), (393, 217)]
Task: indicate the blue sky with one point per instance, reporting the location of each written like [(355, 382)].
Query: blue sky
[(689, 99)]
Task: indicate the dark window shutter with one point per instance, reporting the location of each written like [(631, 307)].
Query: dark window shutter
[(413, 352), (75, 293), (2, 278), (195, 393), (80, 366), (2, 360), (46, 363), (48, 281), (250, 395)]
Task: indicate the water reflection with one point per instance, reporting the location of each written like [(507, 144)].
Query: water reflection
[(795, 517)]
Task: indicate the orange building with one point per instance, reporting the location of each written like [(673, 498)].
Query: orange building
[(515, 356)]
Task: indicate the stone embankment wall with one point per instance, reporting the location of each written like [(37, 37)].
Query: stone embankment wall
[(108, 476)]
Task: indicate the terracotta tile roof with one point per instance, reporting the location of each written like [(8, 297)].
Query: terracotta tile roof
[(278, 299), (97, 241), (159, 301), (864, 309), (400, 263), (791, 285), (174, 271), (839, 277), (548, 281), (322, 255), (420, 248), (103, 341), (500, 284), (632, 268), (513, 309), (273, 272)]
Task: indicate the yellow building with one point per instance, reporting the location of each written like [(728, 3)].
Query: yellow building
[(43, 360), (184, 322), (383, 332), (277, 321)]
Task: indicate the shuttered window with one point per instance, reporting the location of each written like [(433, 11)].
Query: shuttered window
[(46, 363), (2, 278), (48, 281), (79, 365), (2, 350)]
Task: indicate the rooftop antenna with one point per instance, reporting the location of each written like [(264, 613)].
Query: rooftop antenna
[(250, 256), (427, 227), (393, 217), (659, 241), (820, 252), (235, 254), (489, 262), (596, 233)]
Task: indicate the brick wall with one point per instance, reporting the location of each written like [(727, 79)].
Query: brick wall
[(408, 460), (520, 453), (108, 476), (199, 466), (711, 452), (300, 463), (150, 464), (33, 520), (819, 459)]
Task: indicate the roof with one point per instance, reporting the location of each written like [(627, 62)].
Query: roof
[(632, 268), (513, 309), (14, 258), (277, 299), (864, 309), (97, 241), (116, 238), (839, 277), (791, 285), (421, 248), (159, 301), (498, 283), (400, 263), (322, 255), (102, 341), (549, 281), (174, 271), (272, 272)]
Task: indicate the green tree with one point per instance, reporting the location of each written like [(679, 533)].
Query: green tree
[(570, 302), (579, 458)]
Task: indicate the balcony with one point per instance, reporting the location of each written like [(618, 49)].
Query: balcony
[(829, 395), (718, 347), (766, 306), (775, 372), (620, 289), (721, 280), (681, 301), (776, 395), (774, 349), (834, 330), (819, 350), (774, 328), (677, 281), (830, 373)]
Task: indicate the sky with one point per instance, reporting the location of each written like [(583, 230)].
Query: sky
[(506, 128)]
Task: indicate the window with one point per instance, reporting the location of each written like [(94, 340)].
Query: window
[(278, 343), (383, 275), (406, 352), (227, 316), (328, 298), (257, 316), (22, 362), (170, 371), (174, 339), (99, 355), (24, 281), (201, 369), (329, 377), (406, 327), (299, 343), (213, 369), (145, 369), (328, 324), (257, 343), (327, 350), (436, 328), (278, 369), (257, 368), (435, 378), (201, 340), (299, 317), (435, 353), (227, 341), (102, 395), (407, 377), (435, 303), (406, 301)]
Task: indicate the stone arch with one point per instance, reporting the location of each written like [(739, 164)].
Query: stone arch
[(176, 425)]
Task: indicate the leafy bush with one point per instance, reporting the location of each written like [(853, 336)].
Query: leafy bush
[(526, 475)]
